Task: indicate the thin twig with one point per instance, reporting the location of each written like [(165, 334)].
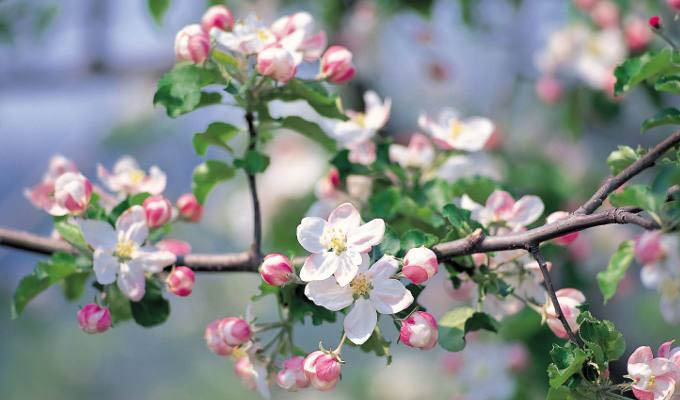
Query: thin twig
[(257, 215)]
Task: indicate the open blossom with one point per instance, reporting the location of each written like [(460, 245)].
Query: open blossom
[(336, 65), (192, 44), (215, 340), (252, 372), (158, 210), (569, 300), (450, 132), (296, 33), (42, 194), (94, 319), (249, 36), (127, 178), (660, 256), (121, 253), (292, 376), (372, 290), (235, 331), (654, 378), (181, 281), (276, 269), (419, 330), (276, 62), (418, 154), (322, 370), (219, 17), (362, 126), (563, 240), (420, 264), (337, 245), (72, 192), (501, 208), (189, 208)]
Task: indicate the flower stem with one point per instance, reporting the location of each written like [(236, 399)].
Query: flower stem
[(342, 343)]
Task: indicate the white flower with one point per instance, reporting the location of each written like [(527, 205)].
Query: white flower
[(418, 154), (249, 36), (337, 244), (296, 34), (469, 165), (127, 178), (122, 252), (372, 290), (501, 208), (450, 132), (663, 274), (362, 126)]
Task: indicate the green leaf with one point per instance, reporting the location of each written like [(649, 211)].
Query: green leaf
[(452, 328), (208, 174), (153, 309), (637, 196), (316, 95), (620, 159), (385, 204), (669, 83), (74, 285), (71, 233), (478, 188), (118, 304), (479, 321), (310, 130), (157, 8), (567, 361), (299, 306), (668, 116), (561, 393), (265, 290), (378, 345), (460, 220), (45, 274), (416, 238), (218, 134), (253, 163), (134, 200), (602, 338), (609, 279), (179, 90), (390, 243), (647, 66)]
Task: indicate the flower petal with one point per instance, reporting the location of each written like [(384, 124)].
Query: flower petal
[(362, 238), (155, 182), (389, 296), (105, 266), (384, 268), (642, 354), (152, 260), (346, 217), (329, 294), (132, 225), (360, 322), (98, 234), (318, 267), (347, 267), (309, 234), (526, 210), (131, 281), (475, 134)]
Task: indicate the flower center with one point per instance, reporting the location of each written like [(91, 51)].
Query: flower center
[(360, 119), (262, 35), (361, 285), (125, 249), (456, 128), (334, 239), (137, 176), (651, 382)]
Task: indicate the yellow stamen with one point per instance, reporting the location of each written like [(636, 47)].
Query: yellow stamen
[(651, 382), (137, 176), (334, 239), (360, 119), (125, 249), (456, 128), (361, 285)]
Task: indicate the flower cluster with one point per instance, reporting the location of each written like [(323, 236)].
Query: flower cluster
[(654, 378)]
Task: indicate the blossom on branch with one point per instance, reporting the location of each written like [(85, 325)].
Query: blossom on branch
[(449, 132), (128, 179), (501, 209)]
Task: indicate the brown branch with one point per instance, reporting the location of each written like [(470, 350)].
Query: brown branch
[(256, 250)]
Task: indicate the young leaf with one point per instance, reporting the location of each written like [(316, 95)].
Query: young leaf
[(637, 196), (452, 328), (217, 134), (378, 345), (668, 116), (602, 338), (310, 130), (416, 238), (567, 361), (479, 321), (619, 159), (157, 8), (74, 285), (179, 90), (669, 83), (207, 175), (646, 66), (153, 309), (118, 304), (609, 279), (254, 162), (71, 233)]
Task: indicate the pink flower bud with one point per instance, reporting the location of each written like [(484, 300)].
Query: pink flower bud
[(336, 65), (219, 17), (419, 330), (215, 341), (235, 331), (276, 269), (192, 44), (548, 90), (181, 281), (420, 264), (322, 370), (637, 34), (655, 22), (648, 247), (177, 247), (94, 319), (569, 300), (158, 210), (276, 62), (674, 4), (189, 207), (72, 191), (563, 240), (292, 377), (605, 14)]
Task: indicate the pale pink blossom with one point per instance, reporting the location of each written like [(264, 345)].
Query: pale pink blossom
[(563, 240), (219, 17), (93, 318), (501, 208), (418, 154), (548, 89), (252, 372), (419, 330), (189, 208), (420, 264), (362, 126), (179, 248), (181, 281), (192, 44), (674, 4), (637, 34), (648, 247), (372, 290), (276, 62), (121, 254), (158, 210), (337, 245), (214, 339), (653, 378), (605, 14), (569, 300), (72, 192), (296, 33), (452, 133), (236, 331), (292, 376), (362, 153), (336, 65), (276, 269), (322, 370), (660, 255), (249, 36), (128, 179), (41, 195)]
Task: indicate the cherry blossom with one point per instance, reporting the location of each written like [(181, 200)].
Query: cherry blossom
[(637, 34), (322, 369), (235, 331), (337, 245), (336, 65), (158, 211), (419, 330), (181, 281), (569, 300), (177, 247), (251, 371), (192, 44), (189, 208), (42, 194), (501, 209), (72, 193), (276, 62), (674, 4), (249, 36), (292, 376), (420, 264), (452, 133), (215, 340), (94, 319), (654, 378), (128, 179), (660, 256), (219, 17), (276, 269), (122, 253), (372, 290), (296, 34), (418, 154), (548, 89)]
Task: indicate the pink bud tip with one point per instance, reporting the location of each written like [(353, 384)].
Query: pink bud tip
[(674, 4), (419, 330), (420, 264), (158, 211), (235, 331), (214, 339), (189, 207), (181, 281), (276, 269), (94, 319), (322, 369), (292, 376), (655, 22), (219, 17), (336, 65)]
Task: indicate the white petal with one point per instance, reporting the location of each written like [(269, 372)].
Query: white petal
[(365, 263), (329, 294), (346, 217), (105, 266), (475, 134), (361, 239), (360, 322), (98, 234), (309, 234), (132, 225), (384, 268), (155, 182), (318, 267), (526, 210), (347, 267), (131, 281), (152, 260), (390, 296)]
